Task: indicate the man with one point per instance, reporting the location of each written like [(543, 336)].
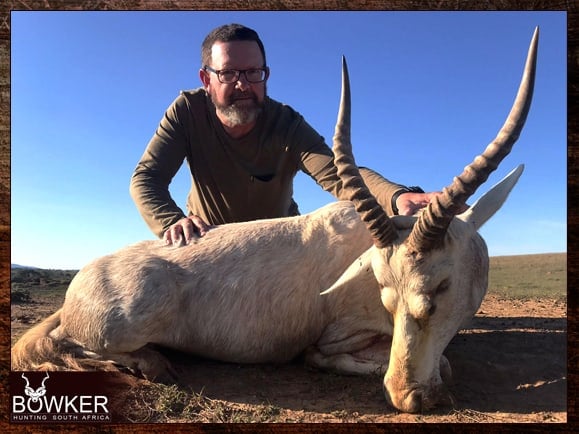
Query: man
[(243, 149)]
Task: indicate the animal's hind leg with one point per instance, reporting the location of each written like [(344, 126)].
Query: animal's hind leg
[(146, 361)]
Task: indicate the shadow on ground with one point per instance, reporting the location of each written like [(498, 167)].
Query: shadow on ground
[(507, 365)]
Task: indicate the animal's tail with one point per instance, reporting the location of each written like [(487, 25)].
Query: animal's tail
[(39, 350)]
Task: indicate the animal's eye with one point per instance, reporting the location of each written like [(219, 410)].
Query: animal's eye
[(442, 286), (432, 309)]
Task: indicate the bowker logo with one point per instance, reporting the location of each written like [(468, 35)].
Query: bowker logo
[(37, 405)]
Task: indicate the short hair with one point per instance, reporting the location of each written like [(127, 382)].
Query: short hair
[(227, 33)]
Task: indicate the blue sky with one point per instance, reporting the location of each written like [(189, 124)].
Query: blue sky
[(429, 91)]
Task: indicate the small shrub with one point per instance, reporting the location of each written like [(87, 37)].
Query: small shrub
[(20, 296)]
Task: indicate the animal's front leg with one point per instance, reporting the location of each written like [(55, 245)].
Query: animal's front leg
[(343, 363), (370, 358)]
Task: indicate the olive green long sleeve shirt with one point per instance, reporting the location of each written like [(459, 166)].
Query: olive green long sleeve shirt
[(235, 179)]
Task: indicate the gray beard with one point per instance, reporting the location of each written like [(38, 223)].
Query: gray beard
[(239, 113)]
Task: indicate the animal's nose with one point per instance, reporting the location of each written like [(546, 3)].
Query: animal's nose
[(408, 401), (417, 399), (413, 402)]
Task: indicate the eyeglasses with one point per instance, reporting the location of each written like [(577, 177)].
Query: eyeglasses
[(228, 76)]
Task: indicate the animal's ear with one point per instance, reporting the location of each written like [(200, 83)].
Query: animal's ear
[(490, 202), (358, 275)]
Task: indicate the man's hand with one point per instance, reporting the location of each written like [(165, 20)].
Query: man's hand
[(410, 203), (185, 229)]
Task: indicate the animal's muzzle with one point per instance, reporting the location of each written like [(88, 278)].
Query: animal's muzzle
[(418, 398), (414, 397)]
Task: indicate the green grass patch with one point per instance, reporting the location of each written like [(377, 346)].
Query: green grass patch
[(529, 276)]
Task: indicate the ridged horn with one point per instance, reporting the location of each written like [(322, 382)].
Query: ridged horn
[(378, 223), (430, 229)]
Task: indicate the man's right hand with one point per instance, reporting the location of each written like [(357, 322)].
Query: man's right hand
[(185, 229)]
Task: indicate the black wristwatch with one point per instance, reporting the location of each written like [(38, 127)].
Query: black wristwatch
[(401, 191)]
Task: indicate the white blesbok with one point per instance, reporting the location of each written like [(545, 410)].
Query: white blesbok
[(254, 292), (433, 276)]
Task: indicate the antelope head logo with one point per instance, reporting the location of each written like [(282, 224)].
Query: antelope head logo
[(33, 394)]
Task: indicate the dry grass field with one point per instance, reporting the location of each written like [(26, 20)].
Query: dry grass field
[(509, 365)]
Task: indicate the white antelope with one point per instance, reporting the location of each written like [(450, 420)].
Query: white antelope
[(270, 290)]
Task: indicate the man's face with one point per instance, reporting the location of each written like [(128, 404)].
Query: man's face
[(237, 103)]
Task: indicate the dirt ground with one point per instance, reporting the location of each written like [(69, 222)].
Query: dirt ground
[(508, 366)]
